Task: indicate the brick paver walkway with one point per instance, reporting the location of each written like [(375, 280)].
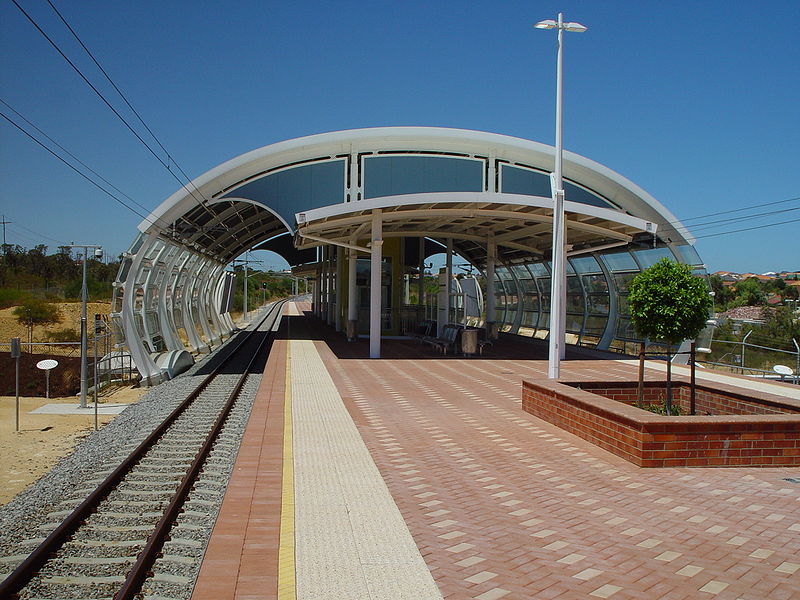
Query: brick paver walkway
[(504, 505)]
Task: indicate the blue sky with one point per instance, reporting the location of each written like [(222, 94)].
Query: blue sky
[(696, 102)]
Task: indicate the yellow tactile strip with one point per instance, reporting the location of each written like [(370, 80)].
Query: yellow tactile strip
[(286, 562), (349, 534)]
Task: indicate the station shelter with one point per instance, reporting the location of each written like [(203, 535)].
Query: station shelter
[(358, 213)]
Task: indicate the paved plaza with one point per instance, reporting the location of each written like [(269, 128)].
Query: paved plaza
[(417, 477)]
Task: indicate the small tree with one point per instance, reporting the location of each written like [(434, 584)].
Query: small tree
[(669, 304), (34, 311)]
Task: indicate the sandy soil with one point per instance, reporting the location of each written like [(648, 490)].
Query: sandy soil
[(70, 319), (42, 439)]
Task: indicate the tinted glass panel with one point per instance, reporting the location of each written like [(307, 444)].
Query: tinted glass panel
[(623, 281), (647, 258), (394, 175), (621, 261), (585, 264), (539, 269), (573, 193), (689, 255), (596, 284), (297, 189), (516, 180)]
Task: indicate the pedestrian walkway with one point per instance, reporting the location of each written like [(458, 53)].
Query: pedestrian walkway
[(424, 474)]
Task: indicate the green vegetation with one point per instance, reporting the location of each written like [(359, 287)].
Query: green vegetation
[(262, 286), (34, 273), (669, 304), (750, 292)]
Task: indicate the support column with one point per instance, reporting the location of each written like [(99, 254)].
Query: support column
[(421, 281), (491, 259), (338, 288), (448, 286), (352, 291), (376, 257)]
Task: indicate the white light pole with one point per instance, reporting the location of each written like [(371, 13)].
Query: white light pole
[(98, 253), (558, 276)]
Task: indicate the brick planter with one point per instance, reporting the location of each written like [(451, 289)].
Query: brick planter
[(767, 435)]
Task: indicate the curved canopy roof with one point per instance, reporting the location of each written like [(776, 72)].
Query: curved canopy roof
[(430, 182)]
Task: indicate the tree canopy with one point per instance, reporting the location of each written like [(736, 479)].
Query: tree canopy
[(668, 303)]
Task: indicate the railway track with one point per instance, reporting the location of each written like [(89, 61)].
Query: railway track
[(138, 532)]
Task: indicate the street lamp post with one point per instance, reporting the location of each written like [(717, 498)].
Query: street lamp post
[(98, 253), (558, 276)]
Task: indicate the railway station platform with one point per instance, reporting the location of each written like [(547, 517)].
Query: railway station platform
[(419, 477)]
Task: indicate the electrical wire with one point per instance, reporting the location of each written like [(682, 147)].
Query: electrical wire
[(110, 106), (747, 229), (78, 171), (36, 233), (725, 212), (75, 158), (125, 99), (720, 222)]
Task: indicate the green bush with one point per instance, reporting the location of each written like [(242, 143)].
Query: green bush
[(64, 335), (11, 297)]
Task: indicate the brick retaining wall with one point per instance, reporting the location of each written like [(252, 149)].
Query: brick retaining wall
[(650, 440)]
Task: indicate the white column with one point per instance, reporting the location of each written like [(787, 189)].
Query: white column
[(338, 288), (558, 281), (376, 257), (491, 258), (449, 275), (421, 280), (352, 291)]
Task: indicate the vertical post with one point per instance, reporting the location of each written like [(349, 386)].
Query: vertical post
[(84, 295), (421, 280), (95, 372), (640, 389), (491, 258), (16, 350), (245, 287), (449, 277), (692, 356), (376, 260), (338, 282), (352, 290), (557, 276)]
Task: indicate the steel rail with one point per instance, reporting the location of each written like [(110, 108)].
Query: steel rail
[(26, 571)]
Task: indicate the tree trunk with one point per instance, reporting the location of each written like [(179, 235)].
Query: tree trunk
[(669, 381), (640, 391)]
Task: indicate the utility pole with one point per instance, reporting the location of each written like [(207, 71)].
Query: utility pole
[(4, 222), (247, 260), (98, 253)]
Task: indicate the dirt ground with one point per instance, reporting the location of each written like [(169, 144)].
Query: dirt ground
[(70, 319), (42, 439)]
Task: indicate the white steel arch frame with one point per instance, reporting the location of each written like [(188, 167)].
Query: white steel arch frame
[(176, 266)]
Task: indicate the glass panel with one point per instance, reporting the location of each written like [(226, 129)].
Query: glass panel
[(620, 261), (574, 323), (521, 272), (647, 258), (538, 270), (517, 180), (598, 304), (393, 175), (574, 285), (689, 255), (298, 188), (575, 303), (623, 281), (585, 264), (625, 329), (574, 193), (595, 325), (595, 284), (544, 321), (530, 294)]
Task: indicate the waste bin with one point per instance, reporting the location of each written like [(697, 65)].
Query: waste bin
[(469, 341)]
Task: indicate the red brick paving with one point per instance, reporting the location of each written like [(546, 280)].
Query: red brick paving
[(504, 505)]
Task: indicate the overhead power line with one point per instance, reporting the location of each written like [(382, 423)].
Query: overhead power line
[(725, 212), (748, 228), (75, 158), (115, 111), (74, 168)]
